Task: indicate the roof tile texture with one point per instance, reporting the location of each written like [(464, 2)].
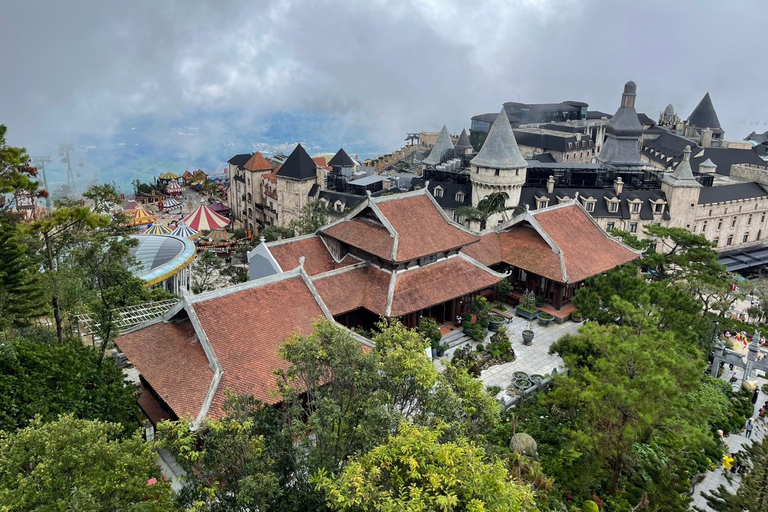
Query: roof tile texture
[(257, 163), (171, 359), (317, 257), (361, 287), (365, 234)]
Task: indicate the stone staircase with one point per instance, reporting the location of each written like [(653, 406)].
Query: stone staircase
[(455, 338)]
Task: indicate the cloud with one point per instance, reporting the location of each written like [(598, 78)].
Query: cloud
[(205, 80)]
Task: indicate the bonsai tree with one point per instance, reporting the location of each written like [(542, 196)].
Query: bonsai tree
[(481, 308), (502, 289)]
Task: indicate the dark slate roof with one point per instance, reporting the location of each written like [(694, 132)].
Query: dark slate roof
[(298, 166), (644, 119), (704, 115), (448, 200), (341, 159), (240, 160), (543, 157), (669, 144), (528, 195), (758, 137), (596, 114), (551, 141), (724, 193), (314, 190), (723, 158), (463, 142)]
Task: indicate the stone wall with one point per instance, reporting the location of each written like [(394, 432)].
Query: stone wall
[(750, 172)]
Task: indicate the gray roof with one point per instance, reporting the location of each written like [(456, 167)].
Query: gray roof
[(707, 164), (463, 142), (623, 132), (368, 180), (704, 115), (450, 189), (683, 175), (528, 195), (442, 150), (751, 190), (669, 111), (341, 159), (500, 149)]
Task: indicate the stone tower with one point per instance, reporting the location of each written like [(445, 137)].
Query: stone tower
[(498, 167), (682, 191), (623, 133)]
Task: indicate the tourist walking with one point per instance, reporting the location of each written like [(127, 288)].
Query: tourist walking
[(750, 425)]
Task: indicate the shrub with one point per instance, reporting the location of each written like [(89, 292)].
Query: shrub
[(493, 390), (430, 331), (484, 323), (500, 344), (502, 289), (480, 347), (482, 308), (590, 506), (496, 318), (477, 332)]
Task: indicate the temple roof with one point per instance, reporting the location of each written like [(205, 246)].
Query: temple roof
[(543, 242), (500, 149), (442, 150), (704, 115), (298, 166)]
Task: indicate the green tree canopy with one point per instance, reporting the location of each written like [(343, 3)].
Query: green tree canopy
[(490, 205), (312, 217), (414, 471), (21, 289), (72, 464)]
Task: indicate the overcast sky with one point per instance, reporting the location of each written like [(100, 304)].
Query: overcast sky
[(200, 81)]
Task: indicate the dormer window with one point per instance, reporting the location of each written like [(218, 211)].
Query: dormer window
[(658, 207), (459, 197), (438, 192), (635, 207), (542, 202), (564, 199), (589, 204), (613, 204)]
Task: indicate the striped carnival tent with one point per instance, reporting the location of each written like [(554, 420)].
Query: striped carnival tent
[(140, 217), (171, 203), (174, 188), (218, 235), (184, 231), (157, 229), (205, 219), (169, 176)]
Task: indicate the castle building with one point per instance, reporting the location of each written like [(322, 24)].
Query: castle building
[(623, 133)]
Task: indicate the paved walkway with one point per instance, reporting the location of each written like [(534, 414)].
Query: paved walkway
[(533, 359), (715, 478)]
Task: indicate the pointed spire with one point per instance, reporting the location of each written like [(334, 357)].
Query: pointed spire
[(500, 149), (704, 115), (683, 175), (341, 159), (442, 150), (463, 143)]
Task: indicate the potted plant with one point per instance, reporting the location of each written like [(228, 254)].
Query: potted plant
[(528, 335), (527, 307), (545, 318), (466, 325), (576, 316), (495, 321), (539, 300), (441, 348)]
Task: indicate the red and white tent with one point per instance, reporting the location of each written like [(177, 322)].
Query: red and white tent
[(205, 219), (173, 188)]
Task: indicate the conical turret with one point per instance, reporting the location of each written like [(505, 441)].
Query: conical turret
[(442, 150), (704, 115), (500, 149), (462, 145), (683, 175)]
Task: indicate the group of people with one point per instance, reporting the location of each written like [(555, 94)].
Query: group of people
[(732, 462)]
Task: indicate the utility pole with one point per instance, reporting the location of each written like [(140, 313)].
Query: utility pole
[(41, 161), (64, 150)]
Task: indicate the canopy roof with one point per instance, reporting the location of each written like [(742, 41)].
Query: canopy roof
[(170, 203), (140, 217), (157, 229), (205, 219), (173, 187), (169, 176), (218, 235), (184, 231), (160, 256)]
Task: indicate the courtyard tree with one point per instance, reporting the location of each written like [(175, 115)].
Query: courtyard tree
[(275, 233), (73, 464), (206, 270), (414, 470), (490, 205), (312, 217)]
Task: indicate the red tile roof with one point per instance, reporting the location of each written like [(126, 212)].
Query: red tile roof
[(365, 287), (438, 282), (318, 259), (591, 252), (367, 234), (247, 343), (171, 359), (420, 227), (257, 163)]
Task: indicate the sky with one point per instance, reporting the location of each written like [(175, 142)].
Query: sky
[(144, 87)]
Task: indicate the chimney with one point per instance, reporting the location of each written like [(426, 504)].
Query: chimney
[(618, 186), (550, 184), (706, 138), (386, 184)]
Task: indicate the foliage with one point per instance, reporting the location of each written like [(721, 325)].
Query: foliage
[(751, 493), (477, 332), (487, 207), (207, 266), (481, 308), (502, 289), (430, 331), (15, 171), (21, 292), (235, 274), (414, 471), (275, 233), (73, 464), (225, 464), (500, 346), (38, 379), (312, 217)]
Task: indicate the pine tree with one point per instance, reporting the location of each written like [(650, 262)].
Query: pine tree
[(751, 494), (21, 296)]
